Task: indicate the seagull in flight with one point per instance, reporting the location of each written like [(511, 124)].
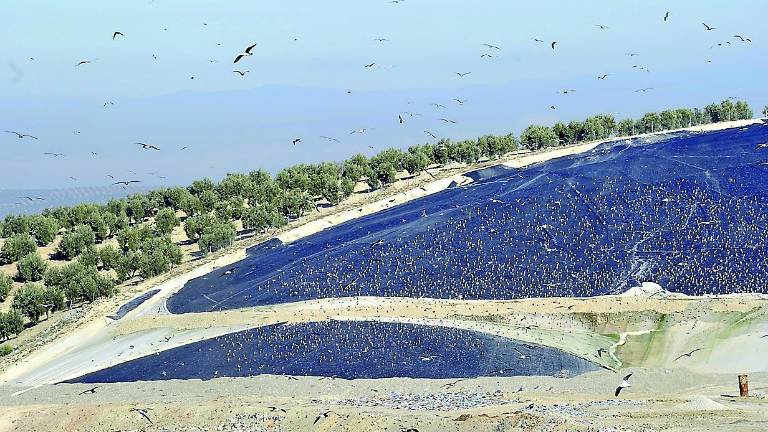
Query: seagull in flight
[(484, 55), (358, 131), (462, 74), (370, 65), (381, 39), (54, 154), (760, 146), (248, 52), (491, 46), (624, 384), (602, 27), (688, 354), (553, 44), (327, 138), (241, 73), (437, 105), (400, 119), (603, 76), (82, 62), (445, 120), (430, 134), (459, 101), (743, 39), (125, 182), (20, 135), (566, 91), (537, 40), (296, 141), (643, 90), (708, 27), (666, 16), (146, 146), (91, 390), (116, 34)]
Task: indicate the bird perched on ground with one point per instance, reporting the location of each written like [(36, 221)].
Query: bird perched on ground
[(624, 384), (146, 146), (248, 52), (688, 354), (708, 27), (21, 135), (116, 34), (91, 390)]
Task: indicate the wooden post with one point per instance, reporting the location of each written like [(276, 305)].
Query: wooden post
[(743, 386)]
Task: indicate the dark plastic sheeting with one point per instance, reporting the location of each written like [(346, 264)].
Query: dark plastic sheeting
[(347, 349), (689, 212)]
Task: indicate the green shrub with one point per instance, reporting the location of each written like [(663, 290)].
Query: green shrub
[(74, 242), (5, 286), (34, 300), (5, 349), (17, 247), (166, 221), (31, 268), (11, 323)]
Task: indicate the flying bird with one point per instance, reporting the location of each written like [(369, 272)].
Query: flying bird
[(116, 34), (437, 105), (666, 16), (688, 354), (327, 413), (743, 39), (91, 390), (459, 101), (624, 384), (553, 44), (143, 412), (242, 73), (296, 141), (537, 40), (147, 146), (602, 27), (708, 27), (600, 352), (462, 74), (760, 146), (445, 120), (358, 131), (491, 46), (566, 91), (381, 40), (430, 134), (552, 107), (248, 52), (54, 154), (370, 65), (643, 90), (329, 138), (483, 55), (21, 135), (125, 182), (400, 119), (82, 62), (603, 76)]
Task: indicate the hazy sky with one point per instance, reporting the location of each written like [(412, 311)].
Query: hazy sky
[(310, 53)]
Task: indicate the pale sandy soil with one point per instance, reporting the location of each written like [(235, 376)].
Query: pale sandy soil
[(645, 335)]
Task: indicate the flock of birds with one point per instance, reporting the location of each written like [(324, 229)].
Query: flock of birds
[(240, 58)]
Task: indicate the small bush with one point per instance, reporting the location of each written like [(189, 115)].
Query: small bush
[(31, 268), (5, 350)]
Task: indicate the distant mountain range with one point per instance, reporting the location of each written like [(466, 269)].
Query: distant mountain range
[(14, 201)]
